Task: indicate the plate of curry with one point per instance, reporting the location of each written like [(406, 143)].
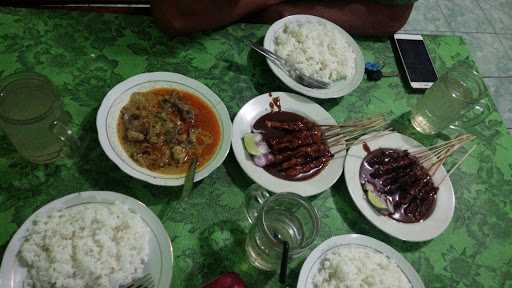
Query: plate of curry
[(153, 124)]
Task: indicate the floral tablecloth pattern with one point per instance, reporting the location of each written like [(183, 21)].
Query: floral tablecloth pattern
[(86, 54)]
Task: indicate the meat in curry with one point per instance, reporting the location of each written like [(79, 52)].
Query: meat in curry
[(164, 128)]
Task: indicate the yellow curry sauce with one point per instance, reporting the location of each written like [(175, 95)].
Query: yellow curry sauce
[(164, 128)]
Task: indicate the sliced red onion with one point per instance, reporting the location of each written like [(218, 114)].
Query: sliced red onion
[(257, 137), (262, 146), (263, 159)]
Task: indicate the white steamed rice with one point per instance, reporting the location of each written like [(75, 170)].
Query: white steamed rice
[(358, 267), (85, 246), (317, 49)]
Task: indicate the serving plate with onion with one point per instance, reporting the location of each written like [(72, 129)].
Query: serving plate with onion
[(259, 108), (436, 220)]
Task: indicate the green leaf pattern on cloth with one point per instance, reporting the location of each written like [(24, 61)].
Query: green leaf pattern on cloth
[(85, 55)]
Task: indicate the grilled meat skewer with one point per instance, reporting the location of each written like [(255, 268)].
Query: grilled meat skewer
[(307, 167), (314, 151), (294, 140), (298, 125), (297, 161)]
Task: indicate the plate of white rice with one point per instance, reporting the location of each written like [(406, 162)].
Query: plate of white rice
[(354, 261), (317, 48), (91, 239)]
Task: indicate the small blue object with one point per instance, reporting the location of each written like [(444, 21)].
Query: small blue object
[(373, 71), (372, 66)]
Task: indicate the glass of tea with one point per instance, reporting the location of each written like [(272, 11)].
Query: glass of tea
[(33, 117), (456, 100), (282, 217)]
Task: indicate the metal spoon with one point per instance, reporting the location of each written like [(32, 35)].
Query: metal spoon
[(290, 68), (189, 179), (283, 271)]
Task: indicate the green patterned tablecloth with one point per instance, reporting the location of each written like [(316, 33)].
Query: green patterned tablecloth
[(85, 55)]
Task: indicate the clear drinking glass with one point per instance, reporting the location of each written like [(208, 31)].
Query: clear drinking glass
[(281, 217), (33, 118), (455, 100)]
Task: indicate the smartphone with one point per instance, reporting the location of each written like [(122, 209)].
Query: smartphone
[(416, 61)]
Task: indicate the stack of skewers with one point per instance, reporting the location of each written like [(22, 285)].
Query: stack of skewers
[(302, 146)]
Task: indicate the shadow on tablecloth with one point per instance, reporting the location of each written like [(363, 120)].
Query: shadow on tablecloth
[(222, 249)]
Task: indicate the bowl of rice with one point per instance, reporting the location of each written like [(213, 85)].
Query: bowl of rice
[(317, 48), (353, 261), (89, 239)]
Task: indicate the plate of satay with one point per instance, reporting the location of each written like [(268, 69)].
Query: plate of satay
[(287, 143), (401, 186), (291, 121)]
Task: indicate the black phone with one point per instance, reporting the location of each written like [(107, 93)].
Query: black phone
[(416, 61)]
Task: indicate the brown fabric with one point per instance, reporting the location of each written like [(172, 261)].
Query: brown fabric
[(361, 17), (99, 9), (73, 2)]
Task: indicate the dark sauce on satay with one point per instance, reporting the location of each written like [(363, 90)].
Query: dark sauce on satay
[(366, 148), (296, 144), (275, 103), (398, 177)]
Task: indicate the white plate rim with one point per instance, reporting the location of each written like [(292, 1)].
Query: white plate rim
[(7, 268), (293, 103), (125, 163), (414, 232), (362, 241), (338, 88)]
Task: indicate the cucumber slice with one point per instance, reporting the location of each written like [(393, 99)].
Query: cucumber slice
[(251, 144)]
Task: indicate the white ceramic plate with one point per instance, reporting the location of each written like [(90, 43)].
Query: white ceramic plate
[(338, 88), (421, 231), (312, 263), (108, 114), (258, 107), (160, 263)]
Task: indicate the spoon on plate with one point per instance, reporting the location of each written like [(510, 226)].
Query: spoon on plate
[(290, 68), (189, 179)]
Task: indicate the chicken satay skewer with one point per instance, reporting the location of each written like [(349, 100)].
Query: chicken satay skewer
[(433, 157)]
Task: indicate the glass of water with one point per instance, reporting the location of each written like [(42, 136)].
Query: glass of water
[(33, 117), (282, 217), (456, 100)]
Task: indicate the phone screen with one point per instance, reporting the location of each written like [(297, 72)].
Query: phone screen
[(417, 62)]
